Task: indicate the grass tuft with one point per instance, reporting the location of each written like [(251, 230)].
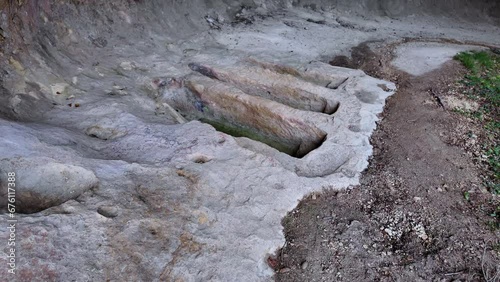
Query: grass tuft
[(467, 60)]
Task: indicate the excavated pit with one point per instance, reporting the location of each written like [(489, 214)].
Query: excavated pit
[(232, 111), (105, 97), (222, 100)]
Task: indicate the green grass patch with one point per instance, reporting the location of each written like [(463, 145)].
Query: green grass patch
[(484, 75), (483, 81), (474, 61), (467, 60)]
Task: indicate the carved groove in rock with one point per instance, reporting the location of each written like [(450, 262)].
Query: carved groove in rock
[(229, 109), (278, 86)]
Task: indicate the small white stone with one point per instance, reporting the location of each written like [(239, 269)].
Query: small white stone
[(128, 66)]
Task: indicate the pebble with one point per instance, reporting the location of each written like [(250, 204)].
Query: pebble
[(108, 211), (304, 265)]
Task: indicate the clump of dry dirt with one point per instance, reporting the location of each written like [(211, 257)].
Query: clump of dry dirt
[(409, 220)]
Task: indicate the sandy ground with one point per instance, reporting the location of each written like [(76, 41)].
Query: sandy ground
[(408, 220)]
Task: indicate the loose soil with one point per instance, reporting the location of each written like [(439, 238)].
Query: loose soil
[(421, 212)]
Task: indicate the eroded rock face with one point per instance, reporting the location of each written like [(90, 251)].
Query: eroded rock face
[(42, 183)]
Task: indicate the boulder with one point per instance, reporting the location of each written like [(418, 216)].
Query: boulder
[(43, 183)]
